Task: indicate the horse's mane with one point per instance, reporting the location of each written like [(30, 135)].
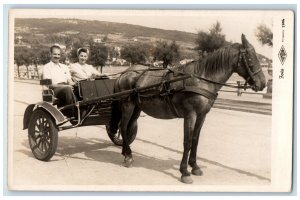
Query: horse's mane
[(215, 62)]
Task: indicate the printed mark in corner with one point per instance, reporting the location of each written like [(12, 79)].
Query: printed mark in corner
[(282, 54)]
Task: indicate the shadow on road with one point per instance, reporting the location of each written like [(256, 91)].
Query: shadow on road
[(212, 162), (98, 150)]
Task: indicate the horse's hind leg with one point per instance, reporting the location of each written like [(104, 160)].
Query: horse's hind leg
[(189, 124), (193, 155), (127, 112)]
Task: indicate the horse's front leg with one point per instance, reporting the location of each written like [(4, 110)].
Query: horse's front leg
[(127, 111), (189, 124), (193, 155)]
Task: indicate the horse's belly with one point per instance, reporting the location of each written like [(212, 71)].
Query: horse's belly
[(157, 108)]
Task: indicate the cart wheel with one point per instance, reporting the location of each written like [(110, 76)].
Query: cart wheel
[(42, 135), (116, 138)]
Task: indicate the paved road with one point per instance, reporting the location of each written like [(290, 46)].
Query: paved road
[(234, 150)]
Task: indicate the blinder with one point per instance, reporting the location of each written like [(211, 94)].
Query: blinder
[(249, 66)]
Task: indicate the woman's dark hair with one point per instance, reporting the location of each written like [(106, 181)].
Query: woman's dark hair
[(82, 50)]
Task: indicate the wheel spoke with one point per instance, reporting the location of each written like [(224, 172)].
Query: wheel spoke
[(45, 122), (48, 136), (37, 126), (40, 121), (37, 137), (37, 145), (42, 124), (119, 134), (47, 144), (47, 130), (42, 145)]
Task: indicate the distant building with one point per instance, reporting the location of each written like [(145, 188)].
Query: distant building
[(97, 40), (23, 45), (158, 64), (264, 64), (19, 39), (185, 61), (118, 51), (72, 21)]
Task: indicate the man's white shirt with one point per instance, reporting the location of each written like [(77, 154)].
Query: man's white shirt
[(59, 73)]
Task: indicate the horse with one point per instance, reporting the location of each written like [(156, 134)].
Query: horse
[(190, 98)]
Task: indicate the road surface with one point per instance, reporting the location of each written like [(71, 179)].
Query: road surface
[(234, 150)]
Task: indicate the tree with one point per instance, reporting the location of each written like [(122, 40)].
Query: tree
[(98, 55), (23, 56), (68, 42), (135, 53), (166, 52), (264, 35), (44, 56), (18, 58), (73, 54), (212, 40), (105, 38), (77, 43)]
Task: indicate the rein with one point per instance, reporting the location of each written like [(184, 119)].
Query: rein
[(242, 58), (191, 75)]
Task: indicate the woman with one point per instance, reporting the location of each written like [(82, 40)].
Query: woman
[(81, 70)]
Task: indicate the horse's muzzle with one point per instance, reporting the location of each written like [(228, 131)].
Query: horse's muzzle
[(260, 82)]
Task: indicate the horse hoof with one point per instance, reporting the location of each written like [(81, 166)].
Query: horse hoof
[(197, 172), (186, 179), (128, 162)]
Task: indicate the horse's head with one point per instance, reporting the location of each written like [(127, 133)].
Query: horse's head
[(248, 66)]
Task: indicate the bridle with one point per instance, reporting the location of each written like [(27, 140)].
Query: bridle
[(243, 58)]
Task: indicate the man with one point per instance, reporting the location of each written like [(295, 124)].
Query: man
[(61, 79)]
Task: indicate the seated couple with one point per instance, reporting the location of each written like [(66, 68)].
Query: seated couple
[(60, 74)]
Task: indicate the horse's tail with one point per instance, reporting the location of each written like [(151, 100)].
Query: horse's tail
[(115, 117), (116, 112)]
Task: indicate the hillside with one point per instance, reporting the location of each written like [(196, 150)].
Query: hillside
[(87, 27), (44, 32)]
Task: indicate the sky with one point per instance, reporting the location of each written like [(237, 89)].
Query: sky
[(233, 23)]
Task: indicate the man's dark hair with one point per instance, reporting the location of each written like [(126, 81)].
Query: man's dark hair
[(55, 46)]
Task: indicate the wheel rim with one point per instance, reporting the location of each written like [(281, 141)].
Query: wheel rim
[(41, 138)]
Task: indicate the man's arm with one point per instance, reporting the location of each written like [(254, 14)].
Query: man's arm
[(69, 78), (46, 72), (70, 82)]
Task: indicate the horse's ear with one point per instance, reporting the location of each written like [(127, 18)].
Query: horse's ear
[(244, 40)]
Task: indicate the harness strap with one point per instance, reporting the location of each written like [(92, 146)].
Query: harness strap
[(172, 106), (168, 96), (206, 93)]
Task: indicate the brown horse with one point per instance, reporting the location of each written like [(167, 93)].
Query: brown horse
[(190, 99)]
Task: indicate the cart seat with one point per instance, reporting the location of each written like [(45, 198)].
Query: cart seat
[(48, 94)]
